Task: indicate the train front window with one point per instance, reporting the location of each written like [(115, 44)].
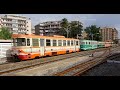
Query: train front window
[(19, 42)]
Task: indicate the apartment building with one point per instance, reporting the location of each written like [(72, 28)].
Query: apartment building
[(48, 28), (109, 34), (16, 24)]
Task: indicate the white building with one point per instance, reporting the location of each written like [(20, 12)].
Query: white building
[(16, 24)]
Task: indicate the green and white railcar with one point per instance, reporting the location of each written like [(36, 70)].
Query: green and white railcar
[(101, 44), (88, 44)]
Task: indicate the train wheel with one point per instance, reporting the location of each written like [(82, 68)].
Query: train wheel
[(16, 59), (67, 52), (37, 57)]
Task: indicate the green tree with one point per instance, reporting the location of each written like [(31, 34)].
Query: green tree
[(70, 29), (65, 27), (93, 33), (5, 34), (75, 29)]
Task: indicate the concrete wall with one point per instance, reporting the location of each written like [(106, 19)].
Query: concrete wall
[(5, 46)]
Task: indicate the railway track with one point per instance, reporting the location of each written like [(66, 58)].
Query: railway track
[(13, 67), (40, 63), (82, 67)]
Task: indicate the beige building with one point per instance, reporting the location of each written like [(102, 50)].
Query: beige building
[(16, 24), (109, 34)]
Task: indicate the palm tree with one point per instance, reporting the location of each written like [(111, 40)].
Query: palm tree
[(65, 26)]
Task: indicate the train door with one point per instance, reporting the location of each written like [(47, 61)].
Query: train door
[(42, 47)]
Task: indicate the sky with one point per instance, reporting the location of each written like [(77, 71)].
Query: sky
[(101, 20)]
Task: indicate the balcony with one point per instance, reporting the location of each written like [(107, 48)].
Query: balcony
[(41, 27), (9, 26), (7, 22), (21, 27), (21, 23), (41, 31), (49, 31), (56, 27)]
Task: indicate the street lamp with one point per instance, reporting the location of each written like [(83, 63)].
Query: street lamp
[(67, 30)]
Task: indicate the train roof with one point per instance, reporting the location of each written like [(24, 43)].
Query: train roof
[(88, 40), (37, 36)]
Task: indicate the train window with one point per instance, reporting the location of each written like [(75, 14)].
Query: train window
[(21, 42), (54, 43), (89, 42), (71, 42), (41, 42), (86, 42), (59, 42), (48, 42), (68, 43), (35, 42), (64, 42), (77, 43), (28, 42)]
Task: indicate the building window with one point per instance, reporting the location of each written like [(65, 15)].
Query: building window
[(59, 42), (48, 42), (64, 42), (35, 42), (54, 43)]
